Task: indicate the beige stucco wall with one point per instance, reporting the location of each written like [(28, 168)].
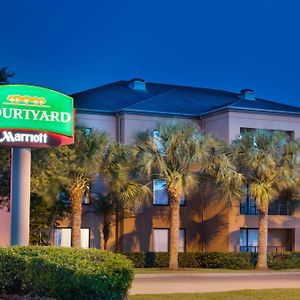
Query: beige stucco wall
[(218, 126), (238, 120), (106, 123), (4, 227), (134, 123)]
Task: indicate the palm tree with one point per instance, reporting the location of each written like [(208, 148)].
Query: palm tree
[(268, 163), (88, 149), (122, 189), (177, 153)]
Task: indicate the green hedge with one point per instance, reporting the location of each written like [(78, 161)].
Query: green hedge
[(228, 260), (64, 273)]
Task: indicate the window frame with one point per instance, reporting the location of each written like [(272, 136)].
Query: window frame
[(182, 203), (168, 241), (66, 227)]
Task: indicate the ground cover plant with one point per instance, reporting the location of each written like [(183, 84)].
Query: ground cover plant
[(274, 294), (64, 273)]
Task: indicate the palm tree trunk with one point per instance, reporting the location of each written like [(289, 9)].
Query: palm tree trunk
[(106, 226), (262, 263), (117, 227), (174, 227), (76, 204)]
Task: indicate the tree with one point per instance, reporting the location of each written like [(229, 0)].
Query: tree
[(88, 152), (122, 189), (5, 75), (268, 163), (178, 153), (4, 177)]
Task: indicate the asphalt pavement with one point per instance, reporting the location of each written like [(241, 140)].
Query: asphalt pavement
[(212, 282)]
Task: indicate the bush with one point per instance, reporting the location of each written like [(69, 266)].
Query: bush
[(287, 260), (64, 273), (228, 260)]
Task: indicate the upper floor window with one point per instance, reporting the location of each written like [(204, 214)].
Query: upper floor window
[(277, 207), (160, 195)]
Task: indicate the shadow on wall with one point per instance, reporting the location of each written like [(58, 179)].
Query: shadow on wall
[(139, 238)]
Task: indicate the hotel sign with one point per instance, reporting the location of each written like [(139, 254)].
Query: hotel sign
[(35, 117)]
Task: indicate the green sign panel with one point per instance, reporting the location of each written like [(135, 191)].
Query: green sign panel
[(34, 115)]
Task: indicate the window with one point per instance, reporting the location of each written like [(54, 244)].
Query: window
[(248, 204), (64, 197), (158, 141), (160, 195), (161, 240), (181, 247), (248, 240), (62, 237)]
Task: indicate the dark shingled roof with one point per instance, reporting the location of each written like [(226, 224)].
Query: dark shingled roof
[(168, 99)]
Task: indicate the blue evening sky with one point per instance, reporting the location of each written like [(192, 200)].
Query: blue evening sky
[(74, 45)]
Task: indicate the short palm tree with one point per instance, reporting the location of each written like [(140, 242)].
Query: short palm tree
[(177, 154), (89, 149), (106, 206), (122, 188), (268, 163)]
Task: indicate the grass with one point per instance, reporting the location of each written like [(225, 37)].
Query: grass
[(274, 294), (199, 270)]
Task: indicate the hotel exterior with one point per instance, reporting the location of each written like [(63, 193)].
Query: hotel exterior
[(124, 108)]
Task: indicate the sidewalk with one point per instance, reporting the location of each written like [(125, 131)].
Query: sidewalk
[(212, 282)]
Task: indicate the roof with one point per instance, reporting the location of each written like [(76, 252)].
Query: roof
[(169, 99)]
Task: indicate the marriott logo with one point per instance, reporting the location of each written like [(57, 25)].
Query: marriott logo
[(15, 137)]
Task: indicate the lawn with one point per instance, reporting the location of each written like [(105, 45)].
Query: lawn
[(275, 294), (199, 270)]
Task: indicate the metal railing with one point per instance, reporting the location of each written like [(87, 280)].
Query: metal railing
[(281, 210), (271, 249)]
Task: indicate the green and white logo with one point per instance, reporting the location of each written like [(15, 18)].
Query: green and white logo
[(31, 107), (35, 109)]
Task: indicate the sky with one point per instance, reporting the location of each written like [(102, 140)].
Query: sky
[(71, 46)]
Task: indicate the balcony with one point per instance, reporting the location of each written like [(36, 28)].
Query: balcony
[(275, 208), (271, 249)]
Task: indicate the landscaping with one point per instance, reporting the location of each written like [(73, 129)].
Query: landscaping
[(64, 273), (214, 260), (274, 294)]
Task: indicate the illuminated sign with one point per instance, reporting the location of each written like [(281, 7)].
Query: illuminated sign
[(32, 116)]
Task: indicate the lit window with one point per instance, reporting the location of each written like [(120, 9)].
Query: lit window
[(160, 195), (62, 237), (248, 240), (161, 240), (158, 141)]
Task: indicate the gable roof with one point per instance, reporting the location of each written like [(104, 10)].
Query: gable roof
[(169, 99)]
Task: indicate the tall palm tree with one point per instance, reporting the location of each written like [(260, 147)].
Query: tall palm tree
[(88, 148), (122, 188), (177, 154), (268, 163)]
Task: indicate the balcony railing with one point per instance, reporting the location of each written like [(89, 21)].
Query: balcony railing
[(271, 249), (274, 209)]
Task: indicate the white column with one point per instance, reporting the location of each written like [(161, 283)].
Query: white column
[(20, 196)]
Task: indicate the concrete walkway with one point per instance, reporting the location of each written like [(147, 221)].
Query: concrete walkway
[(212, 282)]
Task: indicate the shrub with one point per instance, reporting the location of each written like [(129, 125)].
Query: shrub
[(287, 260), (64, 273), (193, 260)]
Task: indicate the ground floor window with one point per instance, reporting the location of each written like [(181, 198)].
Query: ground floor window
[(248, 240), (161, 238), (62, 237)]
